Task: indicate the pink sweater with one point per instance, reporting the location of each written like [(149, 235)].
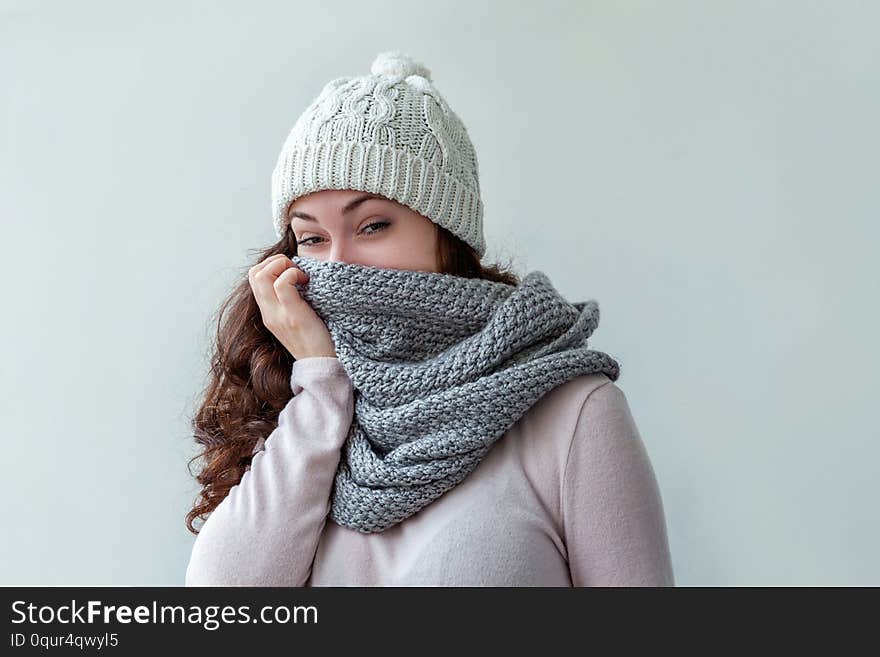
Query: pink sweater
[(567, 497)]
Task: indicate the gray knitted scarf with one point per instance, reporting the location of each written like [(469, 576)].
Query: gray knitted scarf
[(441, 367)]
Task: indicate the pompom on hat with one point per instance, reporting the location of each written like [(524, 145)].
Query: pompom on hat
[(389, 133)]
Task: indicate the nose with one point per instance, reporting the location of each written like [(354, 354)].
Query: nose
[(339, 251)]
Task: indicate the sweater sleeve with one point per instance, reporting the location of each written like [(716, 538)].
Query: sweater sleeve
[(613, 517), (265, 532)]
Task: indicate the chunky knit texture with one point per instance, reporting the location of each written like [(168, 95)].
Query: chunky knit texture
[(389, 133), (442, 366)]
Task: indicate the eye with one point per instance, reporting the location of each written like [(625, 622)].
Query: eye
[(382, 225), (378, 226)]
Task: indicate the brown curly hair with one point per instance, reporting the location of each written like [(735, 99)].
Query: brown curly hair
[(249, 380)]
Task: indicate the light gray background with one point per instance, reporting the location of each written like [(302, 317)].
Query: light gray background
[(707, 171)]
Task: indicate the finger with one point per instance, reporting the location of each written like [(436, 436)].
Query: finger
[(285, 286), (260, 265), (263, 280)]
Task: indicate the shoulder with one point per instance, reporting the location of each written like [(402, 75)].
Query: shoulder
[(542, 437), (596, 409), (606, 451), (602, 404), (612, 513), (540, 442), (563, 408)]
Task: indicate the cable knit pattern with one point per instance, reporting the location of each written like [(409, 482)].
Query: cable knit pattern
[(442, 366), (389, 133)]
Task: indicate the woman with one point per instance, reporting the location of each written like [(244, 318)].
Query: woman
[(448, 425)]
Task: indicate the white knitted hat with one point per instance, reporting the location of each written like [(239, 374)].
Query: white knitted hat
[(389, 133)]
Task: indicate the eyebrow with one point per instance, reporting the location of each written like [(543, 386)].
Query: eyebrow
[(351, 205)]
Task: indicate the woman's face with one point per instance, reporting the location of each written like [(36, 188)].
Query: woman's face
[(361, 228)]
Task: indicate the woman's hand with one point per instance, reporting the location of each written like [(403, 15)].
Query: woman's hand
[(285, 313)]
